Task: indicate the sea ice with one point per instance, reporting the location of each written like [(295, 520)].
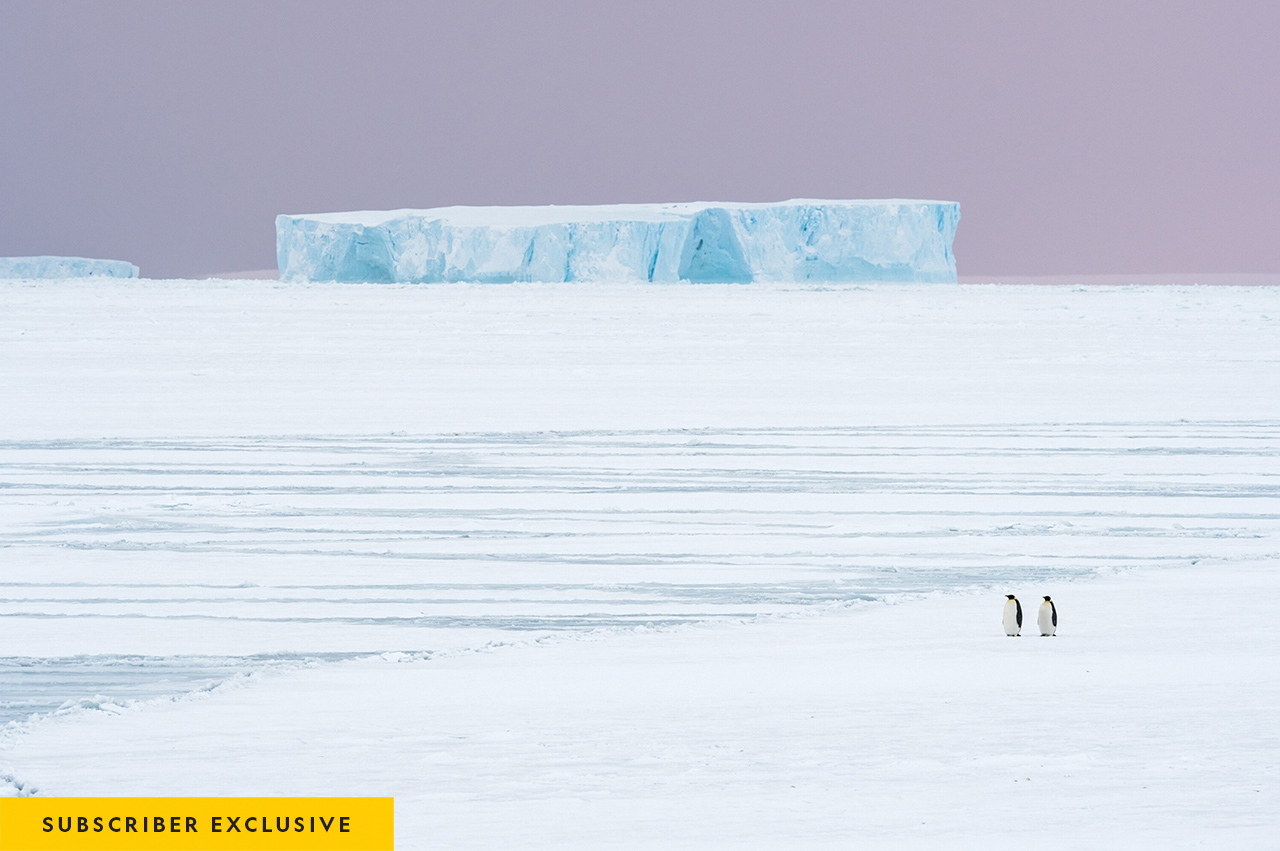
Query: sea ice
[(799, 240), (565, 566), (65, 267)]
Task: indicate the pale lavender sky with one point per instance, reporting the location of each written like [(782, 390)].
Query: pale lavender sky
[(1079, 137)]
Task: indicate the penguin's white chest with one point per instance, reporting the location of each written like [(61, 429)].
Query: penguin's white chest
[(1011, 625), (1046, 619)]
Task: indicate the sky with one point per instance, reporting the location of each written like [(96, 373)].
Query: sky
[(1085, 137)]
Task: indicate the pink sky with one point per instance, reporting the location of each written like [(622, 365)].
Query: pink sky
[(1079, 138)]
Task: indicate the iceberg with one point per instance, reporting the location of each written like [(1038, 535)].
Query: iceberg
[(790, 241), (65, 267)]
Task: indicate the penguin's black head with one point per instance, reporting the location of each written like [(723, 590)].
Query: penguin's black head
[(1010, 596), (1046, 598)]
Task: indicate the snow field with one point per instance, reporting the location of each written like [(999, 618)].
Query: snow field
[(133, 567), (586, 564), (150, 359), (1143, 724)]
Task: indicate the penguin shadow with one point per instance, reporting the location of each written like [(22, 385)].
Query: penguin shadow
[(1046, 617)]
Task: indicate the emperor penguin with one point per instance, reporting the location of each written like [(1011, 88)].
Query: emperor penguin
[(1048, 617), (1012, 616)]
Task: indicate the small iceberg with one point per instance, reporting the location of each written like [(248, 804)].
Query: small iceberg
[(65, 267)]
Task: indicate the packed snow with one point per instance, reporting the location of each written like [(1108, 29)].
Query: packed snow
[(798, 240), (1142, 724), (64, 267), (649, 565)]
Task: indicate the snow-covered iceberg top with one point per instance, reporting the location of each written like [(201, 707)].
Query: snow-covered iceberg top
[(65, 267), (799, 240)]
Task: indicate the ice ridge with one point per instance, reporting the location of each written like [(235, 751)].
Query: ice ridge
[(65, 267), (798, 240)]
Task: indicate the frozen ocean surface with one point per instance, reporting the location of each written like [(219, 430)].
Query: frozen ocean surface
[(568, 557), (798, 240), (139, 568)]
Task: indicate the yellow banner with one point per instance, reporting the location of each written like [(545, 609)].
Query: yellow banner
[(176, 824)]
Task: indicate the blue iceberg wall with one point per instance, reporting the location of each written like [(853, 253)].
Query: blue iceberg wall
[(804, 240)]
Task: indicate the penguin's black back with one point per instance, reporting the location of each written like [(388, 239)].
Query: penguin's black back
[(1018, 603), (1054, 609)]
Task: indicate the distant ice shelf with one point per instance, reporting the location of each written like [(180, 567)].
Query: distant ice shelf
[(65, 267), (798, 240)]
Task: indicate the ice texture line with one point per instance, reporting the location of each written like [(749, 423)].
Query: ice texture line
[(798, 240), (267, 547), (64, 267)]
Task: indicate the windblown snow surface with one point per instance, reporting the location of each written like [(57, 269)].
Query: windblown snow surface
[(650, 566)]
